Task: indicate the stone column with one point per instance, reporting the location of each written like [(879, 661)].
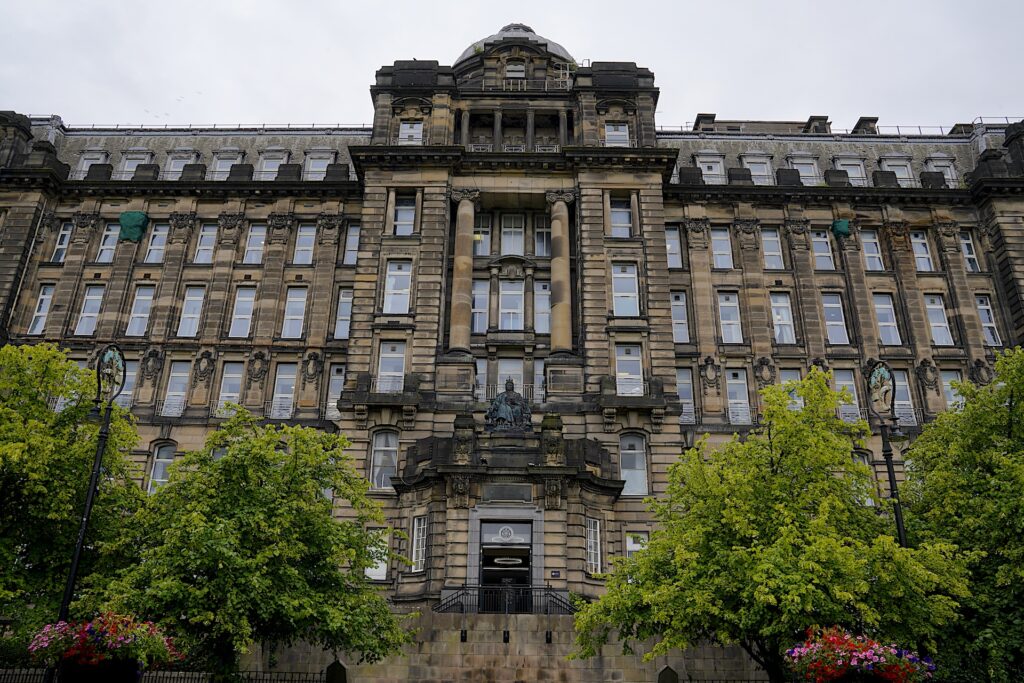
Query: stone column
[(462, 271), (529, 130), (465, 127), (563, 128), (497, 147), (561, 285)]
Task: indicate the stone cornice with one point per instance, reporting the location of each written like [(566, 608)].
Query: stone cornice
[(786, 193)]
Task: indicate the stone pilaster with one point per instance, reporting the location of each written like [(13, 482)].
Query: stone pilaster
[(462, 271), (561, 283)]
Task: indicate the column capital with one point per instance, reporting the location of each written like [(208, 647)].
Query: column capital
[(462, 195), (567, 196)]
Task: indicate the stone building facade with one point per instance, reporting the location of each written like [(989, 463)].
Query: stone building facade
[(517, 215)]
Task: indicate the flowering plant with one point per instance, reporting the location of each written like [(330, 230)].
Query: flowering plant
[(832, 654), (107, 637)]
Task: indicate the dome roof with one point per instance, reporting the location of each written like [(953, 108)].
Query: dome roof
[(516, 32)]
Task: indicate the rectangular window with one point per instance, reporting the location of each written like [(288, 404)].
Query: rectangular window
[(283, 403), (127, 395), (721, 248), (230, 388), (622, 218), (633, 465), (482, 235), (191, 310), (316, 166), (177, 388), (60, 247), (157, 244), (130, 163), (254, 244), (593, 545), (835, 319), (205, 244), (844, 379), (771, 244), (729, 317), (541, 237), (269, 166), (38, 322), (351, 246), (481, 305), (481, 379), (872, 250), (822, 251), (391, 368), (673, 247), (241, 316), (335, 387), (937, 321), (808, 169), (970, 253), (855, 170), (222, 164), (903, 406), (629, 371), (739, 400), (625, 291), (904, 177), (542, 307), (616, 135), (510, 369), (108, 243), (397, 287), (410, 133), (383, 459), (954, 400), (405, 214), (922, 254), (513, 228), (680, 320), (378, 571), (92, 301), (510, 304), (539, 380), (294, 313), (305, 239), (988, 320), (684, 388), (343, 319), (713, 171), (795, 401), (419, 544), (175, 166), (782, 318), (885, 313), (163, 457), (635, 542), (760, 171), (138, 319)]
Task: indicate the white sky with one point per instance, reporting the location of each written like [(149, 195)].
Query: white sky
[(929, 62)]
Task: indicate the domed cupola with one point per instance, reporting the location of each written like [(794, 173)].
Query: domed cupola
[(517, 33)]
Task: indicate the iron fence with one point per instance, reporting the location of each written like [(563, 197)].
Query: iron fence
[(506, 600)]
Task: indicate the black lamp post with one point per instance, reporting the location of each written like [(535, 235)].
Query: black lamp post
[(882, 391)]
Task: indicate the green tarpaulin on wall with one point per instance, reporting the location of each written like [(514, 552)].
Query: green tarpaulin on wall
[(841, 228), (133, 225)]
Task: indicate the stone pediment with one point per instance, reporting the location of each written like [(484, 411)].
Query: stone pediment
[(512, 266)]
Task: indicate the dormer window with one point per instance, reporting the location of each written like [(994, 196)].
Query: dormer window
[(807, 167), (943, 165), (616, 135), (515, 69), (131, 161), (270, 163), (410, 133), (316, 165), (176, 164), (88, 159), (222, 163)]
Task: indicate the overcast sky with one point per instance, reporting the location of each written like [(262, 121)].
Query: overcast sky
[(931, 62)]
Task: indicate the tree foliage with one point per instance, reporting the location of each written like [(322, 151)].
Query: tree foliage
[(240, 546), (967, 488), (768, 535), (46, 457)]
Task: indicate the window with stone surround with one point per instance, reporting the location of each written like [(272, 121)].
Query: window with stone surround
[(541, 236), (397, 287), (621, 218), (680, 319), (885, 314), (206, 242), (872, 250), (593, 545), (513, 234), (782, 318), (60, 245), (343, 318), (616, 135), (282, 405), (163, 457), (835, 319), (935, 308), (922, 252), (241, 315), (254, 244), (542, 307), (142, 304), (822, 246), (305, 241), (108, 243), (737, 396), (351, 246), (633, 464), (729, 317), (625, 291), (38, 323), (390, 368), (191, 311), (92, 302), (721, 249), (157, 244), (771, 247), (294, 313), (673, 247), (482, 234), (511, 304), (384, 459), (988, 320), (971, 262), (410, 133), (954, 400), (418, 556), (481, 305), (230, 387), (405, 214), (684, 389)]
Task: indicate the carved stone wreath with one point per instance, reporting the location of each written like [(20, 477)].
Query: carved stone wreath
[(764, 372), (898, 233), (796, 230), (85, 224)]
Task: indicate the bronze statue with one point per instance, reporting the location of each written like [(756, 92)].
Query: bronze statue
[(509, 411)]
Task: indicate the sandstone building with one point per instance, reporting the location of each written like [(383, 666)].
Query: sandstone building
[(515, 215)]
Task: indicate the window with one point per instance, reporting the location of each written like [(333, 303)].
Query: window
[(230, 388), (163, 456), (481, 379), (316, 165), (593, 545), (622, 218), (684, 388), (482, 235), (771, 244), (294, 313), (343, 320), (541, 237), (515, 69), (510, 304), (616, 135), (542, 307), (673, 247), (736, 392), (157, 243), (38, 322), (60, 247), (808, 170), (91, 303), (712, 169), (822, 251), (138, 319), (629, 372), (782, 318), (87, 160), (283, 402), (191, 310), (130, 163), (391, 368), (635, 542), (510, 369), (872, 250), (410, 133), (205, 244), (680, 321), (378, 571), (835, 320), (903, 406), (936, 309), (970, 253), (721, 248), (988, 320), (222, 164), (885, 313), (131, 371), (254, 244), (844, 379), (633, 465), (539, 380), (177, 388), (945, 167), (305, 238), (625, 291), (405, 214), (335, 387), (729, 317), (901, 168), (351, 246), (795, 401), (270, 164), (922, 255), (954, 400), (397, 287), (855, 170), (108, 243), (513, 227), (241, 316), (175, 166), (419, 544), (480, 305), (760, 170)]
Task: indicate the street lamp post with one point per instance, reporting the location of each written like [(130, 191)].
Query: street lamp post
[(882, 390)]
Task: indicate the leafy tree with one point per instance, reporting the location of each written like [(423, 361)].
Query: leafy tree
[(46, 457), (768, 535), (967, 488), (240, 546)]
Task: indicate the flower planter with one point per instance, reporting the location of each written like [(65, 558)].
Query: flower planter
[(110, 671)]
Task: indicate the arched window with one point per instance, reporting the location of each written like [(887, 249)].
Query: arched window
[(163, 456), (515, 68), (384, 459), (633, 464)]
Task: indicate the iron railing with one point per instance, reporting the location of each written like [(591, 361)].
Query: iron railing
[(280, 408), (631, 386), (36, 676), (533, 393), (506, 600), (172, 406)]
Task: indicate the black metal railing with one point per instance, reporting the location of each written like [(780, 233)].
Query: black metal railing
[(506, 600), (36, 676)]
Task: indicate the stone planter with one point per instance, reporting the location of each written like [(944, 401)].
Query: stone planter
[(112, 671)]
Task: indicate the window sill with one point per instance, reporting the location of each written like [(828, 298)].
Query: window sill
[(300, 265), (55, 264)]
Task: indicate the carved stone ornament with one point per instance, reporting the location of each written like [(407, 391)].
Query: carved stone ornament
[(182, 225), (928, 375), (328, 227), (697, 231), (85, 225), (202, 371), (460, 490), (280, 226), (819, 363), (796, 230), (462, 450), (567, 196), (949, 236), (710, 374), (851, 242), (230, 227), (509, 411), (748, 231), (898, 233), (464, 195), (312, 367), (152, 361), (259, 365), (512, 271), (981, 373), (50, 222), (764, 372), (552, 494)]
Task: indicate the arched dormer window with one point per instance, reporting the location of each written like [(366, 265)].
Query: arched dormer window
[(633, 464), (515, 68), (383, 459)]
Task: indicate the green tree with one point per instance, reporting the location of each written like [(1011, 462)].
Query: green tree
[(768, 535), (240, 546), (966, 487), (46, 457)]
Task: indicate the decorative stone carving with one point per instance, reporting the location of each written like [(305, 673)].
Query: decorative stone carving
[(898, 233), (328, 227), (85, 225), (509, 411), (928, 375), (949, 236), (182, 225), (796, 230), (460, 490), (851, 242), (230, 227), (48, 223), (259, 365), (552, 494), (409, 417), (697, 230), (711, 374), (152, 362), (551, 442), (609, 415), (567, 196), (764, 372), (460, 195), (202, 371), (748, 231), (981, 373), (312, 368), (279, 227), (512, 271), (820, 363)]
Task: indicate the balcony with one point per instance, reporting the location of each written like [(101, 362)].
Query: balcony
[(387, 389), (533, 393), (280, 408), (688, 414), (172, 406), (849, 413), (739, 413), (505, 600), (221, 409)]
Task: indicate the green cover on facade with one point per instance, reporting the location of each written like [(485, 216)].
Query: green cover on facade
[(841, 228), (133, 225)]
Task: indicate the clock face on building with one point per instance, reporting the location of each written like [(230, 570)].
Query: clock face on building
[(881, 388)]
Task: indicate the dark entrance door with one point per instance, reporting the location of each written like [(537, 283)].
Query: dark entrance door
[(505, 568)]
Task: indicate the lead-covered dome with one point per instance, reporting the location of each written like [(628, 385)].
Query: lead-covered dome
[(516, 32)]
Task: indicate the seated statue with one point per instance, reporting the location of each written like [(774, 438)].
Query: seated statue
[(509, 411)]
